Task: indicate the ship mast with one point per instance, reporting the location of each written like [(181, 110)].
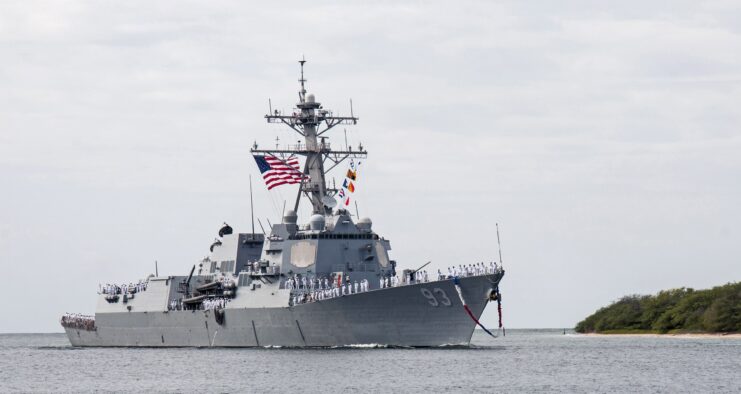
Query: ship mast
[(311, 121)]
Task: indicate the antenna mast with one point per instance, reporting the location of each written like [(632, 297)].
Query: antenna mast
[(311, 121), (302, 92)]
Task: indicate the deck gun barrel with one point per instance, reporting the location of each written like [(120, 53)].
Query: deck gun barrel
[(187, 282)]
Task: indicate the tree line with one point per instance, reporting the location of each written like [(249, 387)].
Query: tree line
[(684, 310)]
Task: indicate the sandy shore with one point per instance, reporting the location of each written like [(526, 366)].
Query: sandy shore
[(703, 335)]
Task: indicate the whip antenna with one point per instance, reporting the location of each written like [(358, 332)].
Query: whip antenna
[(252, 210), (499, 243)]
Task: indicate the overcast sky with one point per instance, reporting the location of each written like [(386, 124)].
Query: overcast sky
[(604, 137)]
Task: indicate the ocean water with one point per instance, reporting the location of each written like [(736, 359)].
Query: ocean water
[(523, 361)]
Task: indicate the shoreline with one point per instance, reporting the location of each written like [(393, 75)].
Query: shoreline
[(668, 335)]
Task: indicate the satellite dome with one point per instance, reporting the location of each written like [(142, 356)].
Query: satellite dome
[(316, 222), (310, 98), (365, 224), (290, 217)]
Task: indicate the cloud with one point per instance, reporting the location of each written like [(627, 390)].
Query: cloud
[(603, 139)]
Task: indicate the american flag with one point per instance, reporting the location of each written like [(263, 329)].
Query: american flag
[(278, 172)]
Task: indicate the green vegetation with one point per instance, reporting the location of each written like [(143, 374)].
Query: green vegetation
[(677, 310)]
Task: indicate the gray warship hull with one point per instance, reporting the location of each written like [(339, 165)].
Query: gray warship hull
[(397, 316)]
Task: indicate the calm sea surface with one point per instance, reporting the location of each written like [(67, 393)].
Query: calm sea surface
[(524, 361)]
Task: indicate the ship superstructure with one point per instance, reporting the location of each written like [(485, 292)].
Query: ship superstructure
[(328, 282)]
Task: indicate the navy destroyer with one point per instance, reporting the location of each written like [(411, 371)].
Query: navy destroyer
[(328, 282)]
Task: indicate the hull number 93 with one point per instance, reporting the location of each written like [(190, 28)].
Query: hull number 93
[(436, 297)]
